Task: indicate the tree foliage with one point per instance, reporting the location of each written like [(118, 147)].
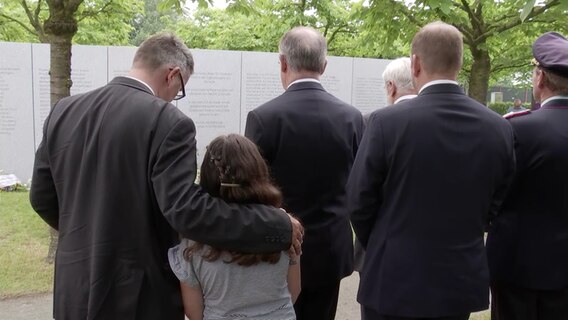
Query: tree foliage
[(258, 25), (495, 34)]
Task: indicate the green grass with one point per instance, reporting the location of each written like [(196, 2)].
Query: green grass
[(24, 241), (484, 315)]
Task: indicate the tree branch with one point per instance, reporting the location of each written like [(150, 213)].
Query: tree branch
[(407, 13), (517, 21), (502, 67), (339, 29), (34, 19), (92, 13), (11, 19)]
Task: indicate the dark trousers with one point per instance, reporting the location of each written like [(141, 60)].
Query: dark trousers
[(372, 314), (317, 303), (509, 302)]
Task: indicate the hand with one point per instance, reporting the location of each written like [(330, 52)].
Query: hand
[(297, 237)]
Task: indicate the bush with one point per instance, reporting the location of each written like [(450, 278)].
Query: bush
[(500, 107)]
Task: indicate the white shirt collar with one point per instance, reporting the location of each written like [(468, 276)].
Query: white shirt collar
[(303, 80), (142, 82), (405, 97), (553, 98), (431, 83)]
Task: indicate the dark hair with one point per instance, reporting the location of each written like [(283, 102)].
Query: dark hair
[(234, 170)]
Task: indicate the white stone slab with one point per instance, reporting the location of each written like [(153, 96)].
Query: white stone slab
[(119, 61), (213, 95), (41, 88), (260, 81), (337, 77), (368, 87), (16, 110), (88, 65)]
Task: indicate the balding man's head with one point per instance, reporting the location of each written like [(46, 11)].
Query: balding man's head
[(440, 49), (304, 49)]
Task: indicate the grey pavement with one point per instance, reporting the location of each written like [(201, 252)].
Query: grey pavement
[(39, 306)]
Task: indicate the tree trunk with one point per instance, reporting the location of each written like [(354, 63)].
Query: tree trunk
[(60, 28), (479, 76)]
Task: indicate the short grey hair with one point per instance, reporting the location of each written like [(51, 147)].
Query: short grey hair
[(164, 49), (398, 71), (304, 49)]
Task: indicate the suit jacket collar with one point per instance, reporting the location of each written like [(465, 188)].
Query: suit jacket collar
[(305, 86), (561, 103), (442, 88), (129, 82)]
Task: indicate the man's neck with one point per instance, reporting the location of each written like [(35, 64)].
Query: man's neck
[(294, 76)]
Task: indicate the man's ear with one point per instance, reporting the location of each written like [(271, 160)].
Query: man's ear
[(172, 75), (541, 79), (389, 86), (415, 65), (324, 66), (283, 63)]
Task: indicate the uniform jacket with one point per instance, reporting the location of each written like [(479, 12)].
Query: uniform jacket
[(428, 173), (114, 174), (309, 138), (528, 241)]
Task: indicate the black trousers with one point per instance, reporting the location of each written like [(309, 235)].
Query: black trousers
[(317, 303), (509, 302), (371, 314)]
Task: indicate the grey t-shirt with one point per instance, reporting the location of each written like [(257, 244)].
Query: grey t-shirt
[(231, 291)]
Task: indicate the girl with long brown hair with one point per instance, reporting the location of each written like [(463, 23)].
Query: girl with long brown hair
[(219, 284)]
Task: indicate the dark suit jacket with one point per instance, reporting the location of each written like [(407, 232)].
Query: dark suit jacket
[(114, 174), (309, 139), (527, 244), (426, 177)]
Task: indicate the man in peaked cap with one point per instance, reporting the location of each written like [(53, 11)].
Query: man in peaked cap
[(528, 241)]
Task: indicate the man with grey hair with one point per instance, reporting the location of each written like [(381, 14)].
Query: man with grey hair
[(309, 138), (427, 175), (398, 81), (114, 174)]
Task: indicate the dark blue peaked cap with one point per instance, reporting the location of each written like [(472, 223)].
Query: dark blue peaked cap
[(551, 53)]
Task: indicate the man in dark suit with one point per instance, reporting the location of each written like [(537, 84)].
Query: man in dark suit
[(115, 175), (309, 139), (527, 245), (428, 173)]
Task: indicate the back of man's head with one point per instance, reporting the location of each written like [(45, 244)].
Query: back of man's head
[(398, 72), (517, 103), (440, 49), (163, 49), (304, 49)]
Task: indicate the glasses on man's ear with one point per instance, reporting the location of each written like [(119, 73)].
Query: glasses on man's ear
[(181, 92)]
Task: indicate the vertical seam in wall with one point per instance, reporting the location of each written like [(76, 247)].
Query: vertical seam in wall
[(352, 81), (241, 98), (107, 63), (33, 97)]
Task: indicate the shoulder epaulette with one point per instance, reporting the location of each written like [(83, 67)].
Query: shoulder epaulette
[(511, 115)]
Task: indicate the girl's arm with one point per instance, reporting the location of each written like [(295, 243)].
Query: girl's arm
[(294, 279), (192, 301)]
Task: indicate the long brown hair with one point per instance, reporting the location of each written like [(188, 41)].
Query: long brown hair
[(234, 171)]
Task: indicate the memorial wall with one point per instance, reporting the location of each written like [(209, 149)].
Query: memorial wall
[(226, 85)]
